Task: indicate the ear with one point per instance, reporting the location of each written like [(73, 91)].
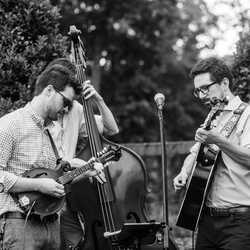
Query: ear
[(225, 82), (48, 90)]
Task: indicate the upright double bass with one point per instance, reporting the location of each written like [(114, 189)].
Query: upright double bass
[(121, 199)]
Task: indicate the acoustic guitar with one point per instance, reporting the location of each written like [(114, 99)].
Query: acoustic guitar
[(200, 178), (44, 204)]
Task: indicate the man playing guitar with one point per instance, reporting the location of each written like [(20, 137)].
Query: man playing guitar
[(225, 219)]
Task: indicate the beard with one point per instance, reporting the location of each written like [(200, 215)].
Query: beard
[(53, 116), (214, 100)]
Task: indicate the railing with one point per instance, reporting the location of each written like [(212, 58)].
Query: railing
[(154, 148)]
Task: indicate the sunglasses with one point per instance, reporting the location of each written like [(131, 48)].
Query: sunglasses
[(66, 101), (204, 89)]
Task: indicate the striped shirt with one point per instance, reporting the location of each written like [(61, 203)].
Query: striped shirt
[(24, 145)]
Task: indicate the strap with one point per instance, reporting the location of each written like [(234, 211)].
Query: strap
[(231, 123), (58, 158)]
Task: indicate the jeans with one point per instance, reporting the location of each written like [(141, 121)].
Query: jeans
[(224, 233), (35, 235)]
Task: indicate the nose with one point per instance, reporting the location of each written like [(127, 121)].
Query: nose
[(202, 95)]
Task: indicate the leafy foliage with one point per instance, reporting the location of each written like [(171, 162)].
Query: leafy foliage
[(241, 68), (29, 39), (141, 48), (135, 49)]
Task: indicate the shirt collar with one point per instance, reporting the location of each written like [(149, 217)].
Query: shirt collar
[(233, 104), (35, 117)]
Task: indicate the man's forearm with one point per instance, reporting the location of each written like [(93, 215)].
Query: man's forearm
[(188, 163), (23, 184), (109, 123), (13, 183)]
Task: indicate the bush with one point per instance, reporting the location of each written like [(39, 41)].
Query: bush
[(241, 68), (29, 39)]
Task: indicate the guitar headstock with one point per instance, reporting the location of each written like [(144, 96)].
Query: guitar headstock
[(110, 153), (217, 108)]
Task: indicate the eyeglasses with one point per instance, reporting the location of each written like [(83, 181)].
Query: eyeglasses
[(66, 101), (204, 89)]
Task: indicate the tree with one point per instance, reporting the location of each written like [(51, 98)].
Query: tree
[(136, 49), (29, 39), (241, 62), (241, 69), (139, 48)]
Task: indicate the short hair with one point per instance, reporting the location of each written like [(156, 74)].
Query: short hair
[(63, 61), (59, 76), (216, 67)]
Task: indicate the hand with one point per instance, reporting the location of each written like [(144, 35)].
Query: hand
[(98, 172), (90, 92), (180, 180), (207, 136), (50, 187), (77, 163)]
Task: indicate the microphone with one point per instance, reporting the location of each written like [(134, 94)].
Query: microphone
[(159, 100)]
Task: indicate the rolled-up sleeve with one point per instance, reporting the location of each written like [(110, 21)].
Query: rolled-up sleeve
[(195, 148), (7, 180), (6, 144)]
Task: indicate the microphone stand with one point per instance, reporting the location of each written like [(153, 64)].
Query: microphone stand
[(165, 223)]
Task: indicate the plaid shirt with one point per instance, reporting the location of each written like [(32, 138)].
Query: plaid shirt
[(24, 145)]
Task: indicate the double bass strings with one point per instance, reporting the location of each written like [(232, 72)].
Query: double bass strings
[(102, 192)]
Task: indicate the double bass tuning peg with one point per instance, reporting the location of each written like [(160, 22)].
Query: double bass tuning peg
[(105, 149)]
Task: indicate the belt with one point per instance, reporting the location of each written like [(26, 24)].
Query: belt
[(224, 212), (19, 215)]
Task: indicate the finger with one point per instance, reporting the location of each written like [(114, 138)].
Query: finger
[(102, 176), (98, 166), (179, 184), (99, 179), (59, 186), (203, 132), (89, 95), (87, 91), (58, 193), (199, 138), (87, 83), (183, 181), (176, 188)]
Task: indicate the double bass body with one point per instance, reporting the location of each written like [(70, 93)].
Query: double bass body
[(128, 182)]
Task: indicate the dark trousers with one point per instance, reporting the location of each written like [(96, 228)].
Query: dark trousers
[(224, 232), (72, 229)]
